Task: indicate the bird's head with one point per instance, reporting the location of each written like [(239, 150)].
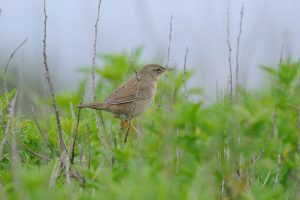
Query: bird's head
[(153, 71)]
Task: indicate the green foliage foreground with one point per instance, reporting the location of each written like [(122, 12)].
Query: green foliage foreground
[(246, 149)]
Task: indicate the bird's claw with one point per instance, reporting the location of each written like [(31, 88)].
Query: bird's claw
[(124, 124)]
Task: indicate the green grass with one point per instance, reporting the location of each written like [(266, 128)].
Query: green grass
[(185, 150)]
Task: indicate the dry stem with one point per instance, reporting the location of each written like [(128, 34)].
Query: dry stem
[(229, 53), (46, 142), (274, 118), (177, 154), (278, 168), (167, 64), (298, 173), (62, 146), (55, 173), (100, 136), (95, 50), (76, 130), (2, 119), (5, 90), (238, 48), (94, 67), (15, 157), (6, 132), (185, 73), (276, 97), (135, 97), (81, 150), (36, 154), (89, 145)]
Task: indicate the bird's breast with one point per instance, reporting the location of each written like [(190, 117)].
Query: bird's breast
[(148, 89)]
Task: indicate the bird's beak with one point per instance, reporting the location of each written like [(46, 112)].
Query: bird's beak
[(170, 69)]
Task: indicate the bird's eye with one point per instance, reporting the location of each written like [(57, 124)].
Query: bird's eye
[(158, 70)]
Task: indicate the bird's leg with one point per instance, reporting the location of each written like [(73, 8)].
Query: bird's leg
[(125, 125)]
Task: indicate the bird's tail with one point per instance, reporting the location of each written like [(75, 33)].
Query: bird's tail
[(97, 106)]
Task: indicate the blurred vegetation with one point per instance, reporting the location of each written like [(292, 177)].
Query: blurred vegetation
[(187, 149)]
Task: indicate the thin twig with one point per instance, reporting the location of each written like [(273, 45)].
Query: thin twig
[(116, 140), (274, 118), (238, 48), (46, 142), (76, 130), (2, 119), (55, 173), (133, 66), (177, 153), (278, 168), (94, 67), (135, 97), (298, 173), (276, 98), (15, 157), (5, 90), (217, 91), (58, 124), (185, 74), (75, 175), (167, 64), (81, 150), (10, 116), (72, 132), (229, 52), (67, 167), (104, 128), (95, 51), (36, 154), (281, 54), (99, 130), (89, 145), (111, 135), (100, 136)]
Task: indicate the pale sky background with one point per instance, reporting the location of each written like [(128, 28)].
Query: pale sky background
[(125, 25)]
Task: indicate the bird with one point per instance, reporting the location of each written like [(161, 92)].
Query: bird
[(134, 96)]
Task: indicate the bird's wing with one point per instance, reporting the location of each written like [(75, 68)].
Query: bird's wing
[(126, 93)]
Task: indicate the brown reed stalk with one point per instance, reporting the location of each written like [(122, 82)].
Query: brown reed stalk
[(274, 117), (167, 64), (238, 47), (5, 90), (7, 127), (62, 146), (101, 139), (229, 53), (95, 50), (72, 150), (298, 171), (185, 73), (94, 67), (89, 145), (45, 138), (135, 97)]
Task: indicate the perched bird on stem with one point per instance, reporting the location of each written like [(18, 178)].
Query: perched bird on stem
[(134, 96)]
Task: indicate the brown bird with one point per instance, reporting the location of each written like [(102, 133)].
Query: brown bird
[(134, 96)]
